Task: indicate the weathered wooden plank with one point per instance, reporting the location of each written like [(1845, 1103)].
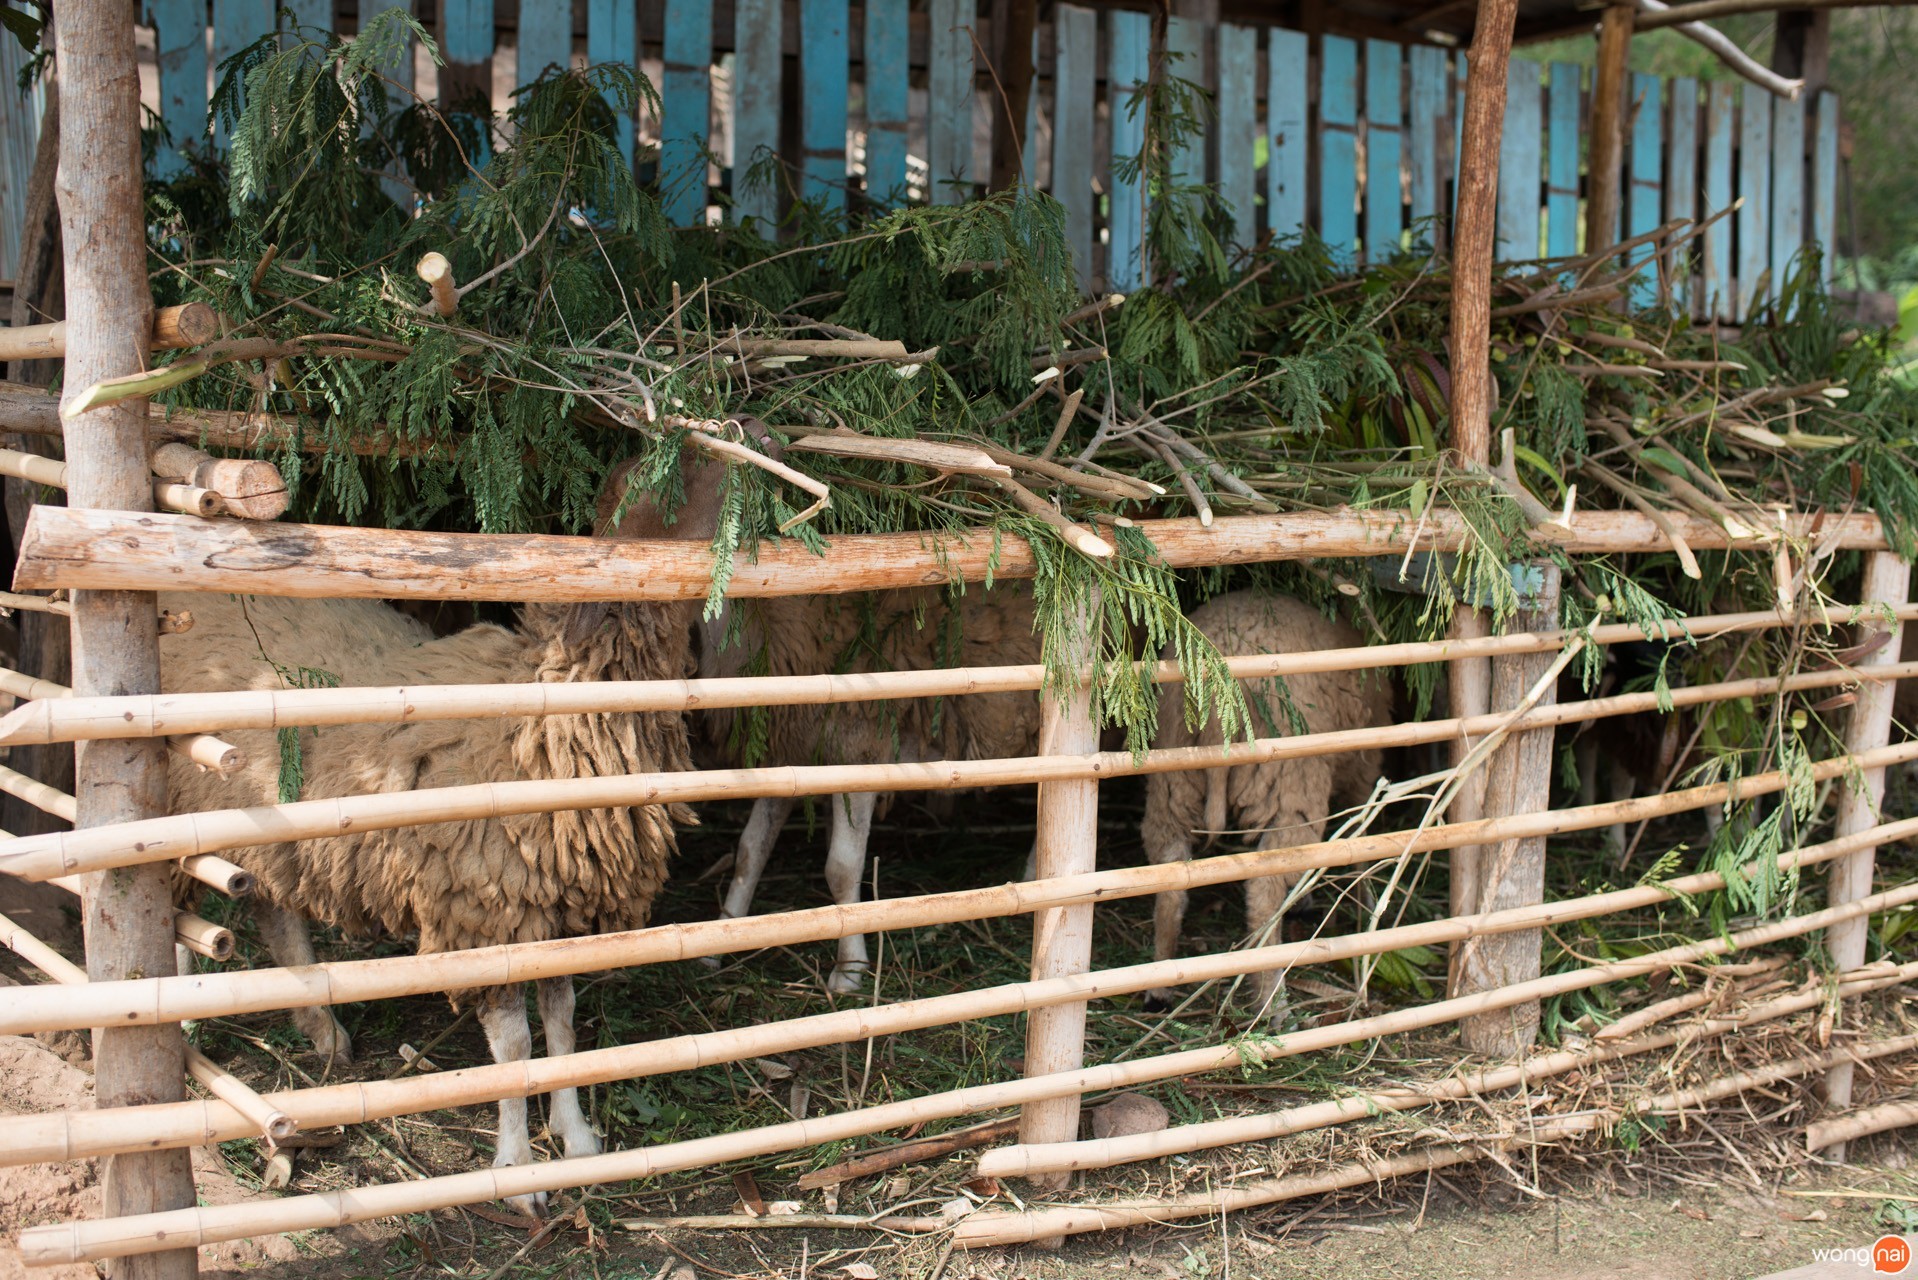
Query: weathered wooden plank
[(1681, 177), (19, 142), (1075, 78), (1288, 86), (1429, 71), (1717, 296), (612, 28), (949, 124), (1384, 142), (888, 28), (1129, 35), (1646, 202), (1787, 188), (1561, 160), (466, 42), (1238, 128), (1824, 182), (1184, 43), (758, 68), (685, 110), (179, 30), (312, 15), (1754, 283), (1338, 146), (1520, 164), (823, 58), (1029, 142), (546, 37)]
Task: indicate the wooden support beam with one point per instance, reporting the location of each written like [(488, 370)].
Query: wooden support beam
[(1706, 10), (1609, 109), (116, 644)]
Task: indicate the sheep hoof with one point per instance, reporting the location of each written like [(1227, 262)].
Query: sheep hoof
[(713, 963), (533, 1206), (846, 982), (582, 1144), (330, 1040), (1161, 1000)]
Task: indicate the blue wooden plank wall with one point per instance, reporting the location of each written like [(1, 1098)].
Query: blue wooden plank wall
[(1186, 61), (1519, 165), (1076, 77), (1430, 69), (1754, 186), (1338, 146), (466, 33), (179, 30), (1561, 160), (685, 110), (758, 68), (236, 24), (1787, 188), (1238, 129), (1646, 205), (888, 26), (949, 117), (1717, 297), (1681, 174), (1384, 196), (1129, 36), (546, 36), (1288, 143), (1824, 181), (823, 56), (19, 137), (611, 28)]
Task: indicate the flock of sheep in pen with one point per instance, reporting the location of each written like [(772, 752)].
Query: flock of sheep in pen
[(520, 879)]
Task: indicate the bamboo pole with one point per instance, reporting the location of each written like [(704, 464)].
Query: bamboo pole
[(339, 982), (154, 839), (52, 473), (202, 749), (119, 1237), (246, 487), (38, 794), (116, 643), (1067, 845), (1839, 1130), (68, 547), (229, 878), (25, 1139), (1104, 1153), (35, 604), (1609, 81), (196, 933), (34, 411), (272, 1124), (74, 719), (1886, 578), (173, 328)]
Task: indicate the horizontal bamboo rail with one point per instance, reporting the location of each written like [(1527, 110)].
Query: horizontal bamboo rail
[(155, 1000), (272, 1124), (996, 1227), (25, 1139), (46, 799), (230, 878), (126, 844), (1026, 1159), (196, 933), (149, 715), (147, 1233), (35, 604), (52, 473), (202, 749), (188, 325), (133, 551), (1862, 1123)]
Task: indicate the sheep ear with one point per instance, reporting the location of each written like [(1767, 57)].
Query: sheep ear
[(582, 621)]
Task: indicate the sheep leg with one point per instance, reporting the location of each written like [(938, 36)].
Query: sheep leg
[(562, 1105), (768, 819), (287, 938), (1623, 784), (1168, 914), (502, 1012), (1264, 915), (845, 868), (1585, 760)]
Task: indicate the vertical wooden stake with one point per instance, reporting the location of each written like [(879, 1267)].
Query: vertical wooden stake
[(1062, 937), (116, 646), (1511, 873), (1609, 87), (1475, 229), (1469, 693), (1887, 579)]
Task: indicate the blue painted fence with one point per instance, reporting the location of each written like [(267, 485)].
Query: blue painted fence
[(1356, 140)]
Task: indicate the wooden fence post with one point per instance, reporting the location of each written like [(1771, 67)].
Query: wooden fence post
[(1609, 110), (1886, 579), (116, 644), (1511, 873), (1068, 839)]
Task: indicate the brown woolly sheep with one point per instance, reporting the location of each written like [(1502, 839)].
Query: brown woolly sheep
[(1280, 803), (455, 884)]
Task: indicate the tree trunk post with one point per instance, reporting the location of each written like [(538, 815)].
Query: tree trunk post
[(1887, 579), (1802, 48), (1062, 936), (1602, 198), (129, 912), (1511, 873), (1015, 22)]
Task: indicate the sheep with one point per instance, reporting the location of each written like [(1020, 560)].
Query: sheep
[(455, 884), (1280, 803), (915, 629)]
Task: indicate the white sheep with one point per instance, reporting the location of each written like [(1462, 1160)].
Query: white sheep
[(455, 884), (1276, 804)]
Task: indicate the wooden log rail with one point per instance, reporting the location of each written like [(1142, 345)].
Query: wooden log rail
[(141, 716), (208, 995), (65, 1136), (127, 551), (187, 325), (128, 844), (75, 1242)]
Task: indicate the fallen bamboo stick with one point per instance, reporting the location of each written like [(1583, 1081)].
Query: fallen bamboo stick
[(761, 1222), (72, 1242), (274, 1125), (188, 325), (1859, 1124), (151, 715), (25, 1139), (129, 551), (125, 844), (887, 1159), (196, 933)]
